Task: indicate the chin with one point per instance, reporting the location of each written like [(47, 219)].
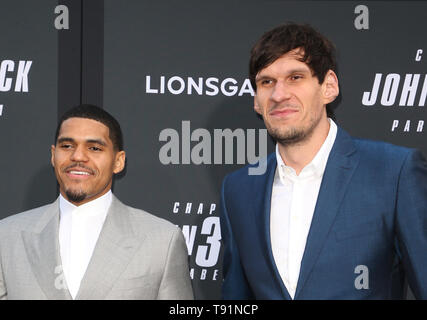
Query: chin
[(75, 196)]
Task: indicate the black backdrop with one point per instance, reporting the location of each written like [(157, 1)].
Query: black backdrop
[(175, 75)]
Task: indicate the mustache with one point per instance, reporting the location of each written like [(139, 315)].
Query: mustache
[(79, 165)]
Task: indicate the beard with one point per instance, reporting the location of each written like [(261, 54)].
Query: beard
[(292, 135), (75, 196)]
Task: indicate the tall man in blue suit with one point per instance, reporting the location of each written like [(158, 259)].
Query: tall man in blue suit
[(333, 217)]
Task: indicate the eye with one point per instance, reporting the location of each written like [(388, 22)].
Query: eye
[(266, 82), (66, 146), (94, 148), (296, 77)]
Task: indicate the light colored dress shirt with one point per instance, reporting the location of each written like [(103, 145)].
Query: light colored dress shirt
[(293, 201), (79, 229)]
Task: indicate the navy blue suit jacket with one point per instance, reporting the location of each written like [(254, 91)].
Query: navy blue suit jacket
[(371, 211)]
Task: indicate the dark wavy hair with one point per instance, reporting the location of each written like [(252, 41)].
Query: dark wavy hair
[(316, 51), (88, 111)]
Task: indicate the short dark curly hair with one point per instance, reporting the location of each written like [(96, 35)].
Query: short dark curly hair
[(317, 51), (88, 111)]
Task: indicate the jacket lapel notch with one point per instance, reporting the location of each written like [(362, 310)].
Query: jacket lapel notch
[(42, 249), (263, 222), (339, 170), (116, 246)]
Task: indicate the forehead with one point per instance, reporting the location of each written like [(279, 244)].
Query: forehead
[(83, 128), (287, 63)]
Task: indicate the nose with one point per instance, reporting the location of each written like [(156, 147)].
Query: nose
[(79, 154), (280, 92)]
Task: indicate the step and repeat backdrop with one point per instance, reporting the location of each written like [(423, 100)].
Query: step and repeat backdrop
[(28, 103), (175, 75)]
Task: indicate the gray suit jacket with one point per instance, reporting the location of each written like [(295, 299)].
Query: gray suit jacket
[(137, 256)]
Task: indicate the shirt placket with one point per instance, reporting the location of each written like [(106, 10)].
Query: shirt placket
[(294, 232), (77, 239)]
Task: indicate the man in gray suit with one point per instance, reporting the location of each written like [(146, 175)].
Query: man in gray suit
[(88, 244)]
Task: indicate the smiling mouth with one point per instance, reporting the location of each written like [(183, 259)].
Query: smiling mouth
[(283, 112), (79, 173)]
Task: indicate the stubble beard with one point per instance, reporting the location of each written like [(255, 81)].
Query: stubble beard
[(292, 135), (75, 196)]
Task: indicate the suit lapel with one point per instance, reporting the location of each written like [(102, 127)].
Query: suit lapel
[(341, 165), (114, 249), (42, 249), (262, 217)]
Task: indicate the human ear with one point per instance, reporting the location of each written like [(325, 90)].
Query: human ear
[(330, 87), (119, 161), (52, 155), (256, 106)]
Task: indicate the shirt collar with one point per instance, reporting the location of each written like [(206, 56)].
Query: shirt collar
[(95, 207), (317, 166)]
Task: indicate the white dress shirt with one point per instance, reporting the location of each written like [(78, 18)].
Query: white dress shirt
[(79, 229), (293, 201)]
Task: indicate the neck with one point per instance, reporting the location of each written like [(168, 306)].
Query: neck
[(300, 154)]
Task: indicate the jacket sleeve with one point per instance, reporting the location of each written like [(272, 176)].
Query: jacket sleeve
[(176, 282), (234, 286), (411, 218), (3, 291)]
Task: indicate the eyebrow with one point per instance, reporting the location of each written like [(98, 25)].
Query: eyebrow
[(64, 139), (97, 141), (261, 78), (292, 71)]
